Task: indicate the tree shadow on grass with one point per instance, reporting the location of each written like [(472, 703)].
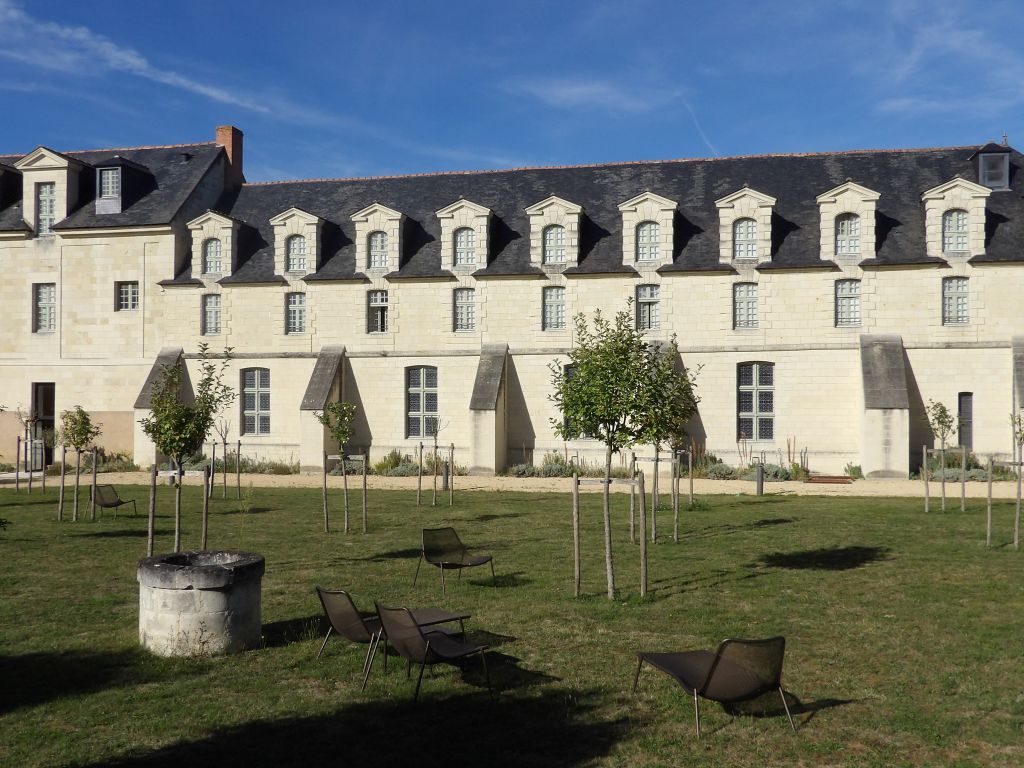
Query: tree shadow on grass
[(552, 728), (122, 534), (712, 531), (826, 558), (253, 511), (277, 634), (503, 516)]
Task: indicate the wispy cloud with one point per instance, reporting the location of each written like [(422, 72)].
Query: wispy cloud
[(573, 93)]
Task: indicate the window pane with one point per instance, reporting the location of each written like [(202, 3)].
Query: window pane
[(746, 402), (414, 427), (430, 424), (249, 401), (414, 402), (765, 402), (414, 377), (250, 424), (430, 404), (765, 429), (746, 429), (249, 378), (264, 425), (264, 401), (746, 374), (765, 374)]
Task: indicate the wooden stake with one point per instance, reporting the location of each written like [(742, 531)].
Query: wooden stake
[(963, 479), (643, 535), (179, 476), (151, 530), (988, 507), (924, 474), (1016, 516), (327, 528), (78, 477), (632, 497), (30, 463), (689, 469), (213, 465), (95, 461), (655, 496), (576, 534), (238, 470), (17, 467), (224, 469), (207, 482), (366, 457), (942, 477), (344, 487), (451, 474), (60, 500), (419, 477), (675, 497), (433, 500)]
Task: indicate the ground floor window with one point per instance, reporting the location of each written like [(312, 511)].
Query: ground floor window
[(256, 401), (755, 401), (421, 401)]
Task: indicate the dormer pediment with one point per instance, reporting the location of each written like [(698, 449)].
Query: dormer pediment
[(463, 206), (649, 199), (43, 158), (963, 186), (213, 218), (298, 214), (746, 194), (848, 189), (376, 209), (538, 209)]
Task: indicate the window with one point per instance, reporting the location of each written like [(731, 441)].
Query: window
[(295, 250), (554, 308), (647, 241), (755, 401), (965, 412), (110, 182), (421, 401), (377, 311), (256, 401), (211, 314), (378, 249), (744, 239), (46, 208), (465, 246), (212, 263), (648, 313), (995, 171), (847, 234), (44, 319), (127, 296), (744, 305), (954, 231), (847, 303), (955, 307), (465, 309), (295, 313), (554, 244)]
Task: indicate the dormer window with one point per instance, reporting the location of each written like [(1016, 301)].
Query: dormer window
[(745, 227), (295, 247), (465, 235), (212, 257), (378, 250), (46, 208), (847, 217), (379, 237), (110, 182), (648, 222), (994, 165), (296, 242), (214, 245), (744, 239), (554, 233), (554, 244), (465, 247), (847, 234), (954, 231), (647, 238)]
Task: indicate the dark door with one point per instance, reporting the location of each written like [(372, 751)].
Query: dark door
[(965, 410), (43, 400)]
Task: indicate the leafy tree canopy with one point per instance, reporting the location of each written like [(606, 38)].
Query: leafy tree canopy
[(77, 429), (337, 418)]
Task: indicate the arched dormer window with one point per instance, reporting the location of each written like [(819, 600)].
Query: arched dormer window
[(377, 248), (554, 244), (744, 239), (465, 246), (847, 234), (213, 263), (295, 249), (954, 230), (647, 236)]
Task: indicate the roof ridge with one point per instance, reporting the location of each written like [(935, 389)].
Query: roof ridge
[(612, 164), (125, 149)]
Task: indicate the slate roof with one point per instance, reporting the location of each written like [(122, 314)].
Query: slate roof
[(176, 172), (901, 176)]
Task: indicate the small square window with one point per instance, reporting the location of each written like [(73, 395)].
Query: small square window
[(126, 296)]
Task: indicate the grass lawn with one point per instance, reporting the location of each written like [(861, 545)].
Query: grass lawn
[(904, 637)]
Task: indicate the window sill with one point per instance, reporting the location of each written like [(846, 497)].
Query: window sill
[(947, 324), (44, 333), (746, 328)]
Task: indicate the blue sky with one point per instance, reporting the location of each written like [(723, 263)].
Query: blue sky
[(328, 89)]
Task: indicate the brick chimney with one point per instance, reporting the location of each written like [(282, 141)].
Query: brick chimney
[(230, 138)]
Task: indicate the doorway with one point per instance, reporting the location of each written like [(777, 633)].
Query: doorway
[(44, 423)]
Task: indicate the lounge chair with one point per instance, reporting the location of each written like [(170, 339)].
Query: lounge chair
[(106, 497), (443, 548), (424, 648), (738, 671)]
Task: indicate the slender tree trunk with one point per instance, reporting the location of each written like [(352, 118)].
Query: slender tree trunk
[(632, 497), (63, 466), (213, 468), (675, 496), (78, 476), (988, 507), (1016, 514), (366, 457), (151, 531), (608, 522), (224, 468), (963, 479), (924, 474), (654, 497), (942, 458), (643, 538), (92, 496), (576, 534), (207, 483), (177, 508), (419, 477), (344, 485), (327, 527)]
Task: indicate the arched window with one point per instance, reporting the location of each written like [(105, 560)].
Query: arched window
[(647, 241), (295, 248), (744, 239), (847, 234), (378, 249), (554, 244), (212, 264), (954, 230), (255, 401), (421, 401), (465, 246)]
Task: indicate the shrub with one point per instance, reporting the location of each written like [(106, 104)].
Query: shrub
[(405, 469), (110, 462), (248, 465), (854, 471), (6, 467), (720, 471), (390, 461), (772, 473)]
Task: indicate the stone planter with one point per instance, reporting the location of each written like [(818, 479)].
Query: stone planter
[(200, 603)]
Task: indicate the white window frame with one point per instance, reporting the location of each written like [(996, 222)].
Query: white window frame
[(553, 239), (127, 295), (956, 301), (110, 182), (44, 308), (255, 401), (295, 253), (211, 314), (553, 308), (213, 256), (377, 311), (847, 303), (46, 208), (744, 239), (744, 305), (759, 388), (956, 226), (420, 390), (847, 234), (648, 245), (295, 313), (463, 309), (648, 307), (464, 245), (377, 249), (988, 169)]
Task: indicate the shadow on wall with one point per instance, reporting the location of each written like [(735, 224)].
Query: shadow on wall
[(361, 434), (920, 432), (521, 438)]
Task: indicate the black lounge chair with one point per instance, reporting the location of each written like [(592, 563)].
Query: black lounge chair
[(739, 671), (106, 497), (424, 648), (443, 548)]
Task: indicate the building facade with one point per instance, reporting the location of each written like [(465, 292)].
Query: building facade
[(825, 298)]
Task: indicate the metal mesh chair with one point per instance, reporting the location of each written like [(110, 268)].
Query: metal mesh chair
[(738, 671), (344, 618), (424, 648), (106, 497), (443, 547)]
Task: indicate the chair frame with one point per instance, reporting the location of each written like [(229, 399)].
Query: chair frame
[(113, 505), (371, 625), (451, 564), (700, 691)]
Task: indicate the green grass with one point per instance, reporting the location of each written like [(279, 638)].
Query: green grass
[(904, 637)]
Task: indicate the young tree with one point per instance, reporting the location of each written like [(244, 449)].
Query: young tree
[(78, 431), (337, 419), (608, 392), (941, 422), (179, 429), (1017, 424)]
